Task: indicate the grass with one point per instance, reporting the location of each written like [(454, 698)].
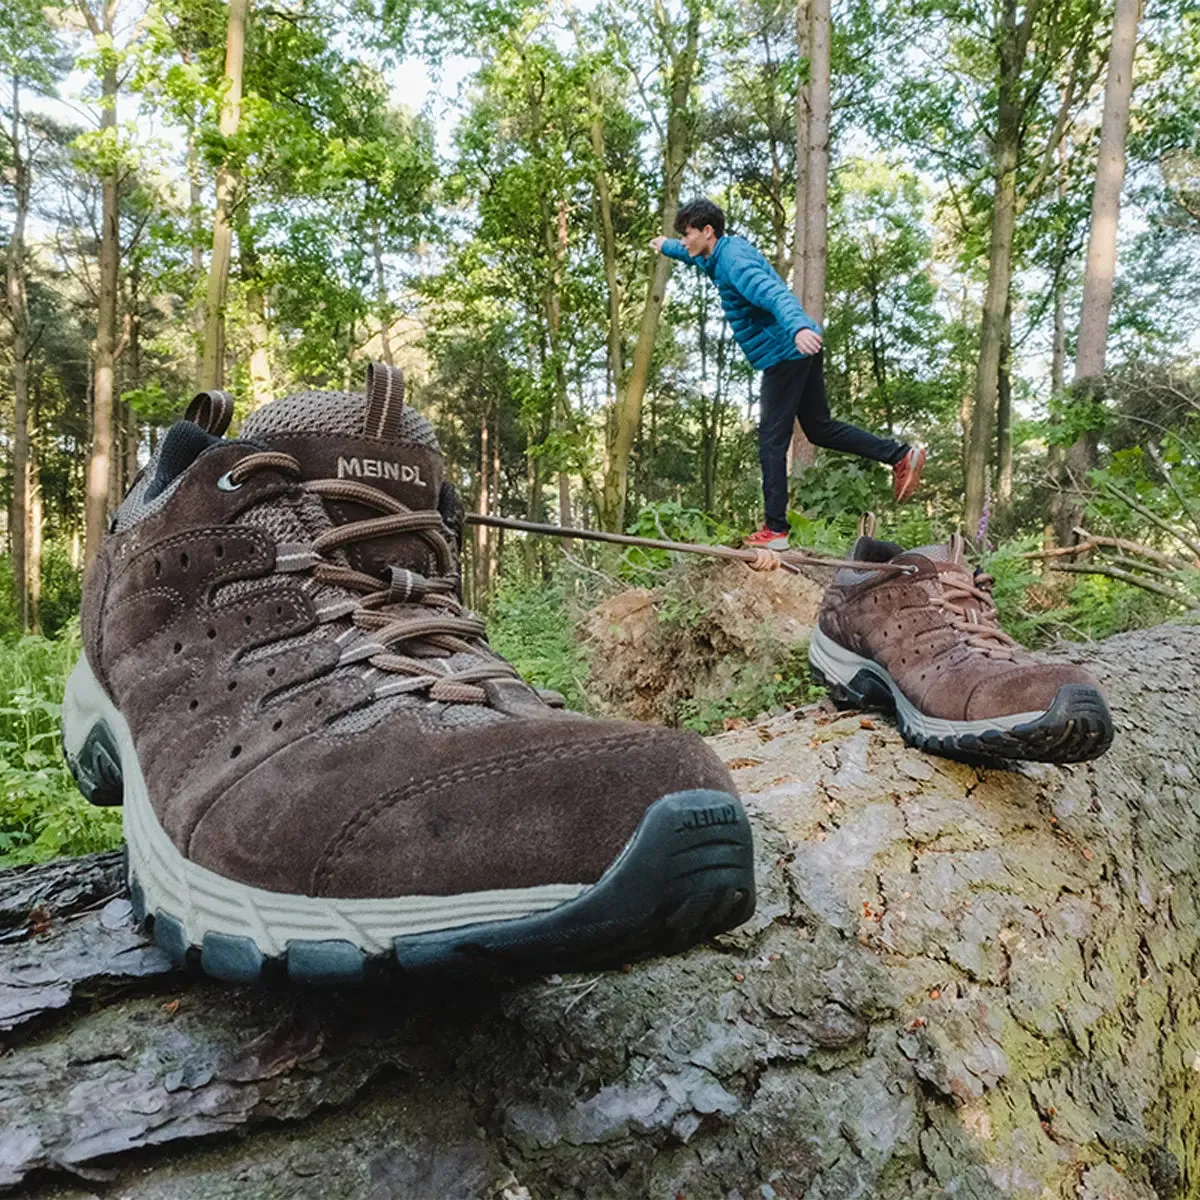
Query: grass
[(42, 814)]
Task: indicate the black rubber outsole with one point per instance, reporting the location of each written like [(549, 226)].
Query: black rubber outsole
[(1077, 727), (686, 875)]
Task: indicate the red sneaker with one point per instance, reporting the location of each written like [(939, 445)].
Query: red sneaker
[(906, 474), (766, 539)]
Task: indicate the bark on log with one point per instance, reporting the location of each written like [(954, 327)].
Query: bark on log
[(959, 983)]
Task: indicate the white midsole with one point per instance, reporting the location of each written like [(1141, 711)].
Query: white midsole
[(840, 665), (206, 902)]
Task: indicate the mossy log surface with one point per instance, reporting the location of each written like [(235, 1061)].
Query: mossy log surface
[(959, 983)]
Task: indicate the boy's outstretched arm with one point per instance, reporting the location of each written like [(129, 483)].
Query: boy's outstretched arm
[(673, 248)]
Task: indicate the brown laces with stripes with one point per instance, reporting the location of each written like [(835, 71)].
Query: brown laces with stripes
[(446, 629)]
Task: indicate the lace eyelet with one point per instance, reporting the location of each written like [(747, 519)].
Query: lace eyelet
[(226, 484)]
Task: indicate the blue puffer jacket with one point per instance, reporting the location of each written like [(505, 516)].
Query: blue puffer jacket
[(763, 314)]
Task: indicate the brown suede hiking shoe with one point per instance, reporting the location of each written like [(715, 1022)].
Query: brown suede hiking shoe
[(325, 769), (926, 644)]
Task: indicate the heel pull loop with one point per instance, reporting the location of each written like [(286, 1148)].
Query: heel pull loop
[(385, 401), (211, 410)]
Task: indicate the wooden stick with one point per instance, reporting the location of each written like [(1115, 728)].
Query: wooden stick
[(1188, 602), (1090, 541), (789, 559)]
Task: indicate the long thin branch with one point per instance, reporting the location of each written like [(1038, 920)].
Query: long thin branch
[(1138, 507), (1180, 598), (1092, 540), (1133, 564), (1165, 471)]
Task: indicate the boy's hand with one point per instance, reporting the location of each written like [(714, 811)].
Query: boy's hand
[(656, 243), (808, 342)]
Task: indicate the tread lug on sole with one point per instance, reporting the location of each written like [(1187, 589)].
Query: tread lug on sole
[(97, 768), (687, 875)]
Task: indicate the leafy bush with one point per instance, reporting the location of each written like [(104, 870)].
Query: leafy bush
[(671, 522), (42, 814), (529, 623), (755, 691), (61, 589)]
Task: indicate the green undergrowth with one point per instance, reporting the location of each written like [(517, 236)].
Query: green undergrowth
[(531, 623), (757, 689), (42, 814)]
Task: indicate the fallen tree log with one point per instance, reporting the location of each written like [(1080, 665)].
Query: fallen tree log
[(959, 983)]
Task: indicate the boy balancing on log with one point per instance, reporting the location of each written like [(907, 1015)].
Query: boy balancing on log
[(784, 342)]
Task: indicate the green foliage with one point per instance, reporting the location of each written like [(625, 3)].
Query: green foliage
[(61, 587), (42, 814), (529, 623), (669, 521), (755, 690)]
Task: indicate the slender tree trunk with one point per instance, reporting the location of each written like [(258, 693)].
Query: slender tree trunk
[(97, 496), (483, 534), (556, 249), (1004, 433), (133, 435), (802, 453), (212, 371), (18, 316), (878, 361), (817, 200), (195, 200), (1091, 349), (381, 295), (608, 246), (1006, 148), (33, 542), (1058, 361), (261, 386), (629, 404)]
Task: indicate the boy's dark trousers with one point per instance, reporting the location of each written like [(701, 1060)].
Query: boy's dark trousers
[(795, 389)]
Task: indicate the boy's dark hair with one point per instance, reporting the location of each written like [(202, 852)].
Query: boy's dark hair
[(696, 214)]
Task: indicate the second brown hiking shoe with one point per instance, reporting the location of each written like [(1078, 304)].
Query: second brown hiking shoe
[(926, 644), (326, 772)]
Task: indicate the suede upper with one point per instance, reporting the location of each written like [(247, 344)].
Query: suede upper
[(283, 748), (935, 633)]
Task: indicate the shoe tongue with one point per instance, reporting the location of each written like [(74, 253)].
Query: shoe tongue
[(374, 439), (953, 551)]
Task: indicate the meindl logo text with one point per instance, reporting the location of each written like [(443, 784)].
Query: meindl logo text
[(378, 468)]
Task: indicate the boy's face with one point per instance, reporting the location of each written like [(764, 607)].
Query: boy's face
[(698, 241)]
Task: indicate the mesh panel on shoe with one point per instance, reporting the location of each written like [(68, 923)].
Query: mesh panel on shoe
[(332, 413), (431, 717)]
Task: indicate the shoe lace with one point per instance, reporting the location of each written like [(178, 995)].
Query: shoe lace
[(972, 610), (412, 645)]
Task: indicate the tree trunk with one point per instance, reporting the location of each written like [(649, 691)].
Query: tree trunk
[(483, 506), (212, 371), (1004, 433), (103, 393), (803, 120), (1102, 249), (801, 453), (675, 155), (1012, 41), (33, 542), (381, 295), (878, 358), (1058, 363), (18, 318), (817, 197), (963, 982), (197, 237), (261, 386)]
